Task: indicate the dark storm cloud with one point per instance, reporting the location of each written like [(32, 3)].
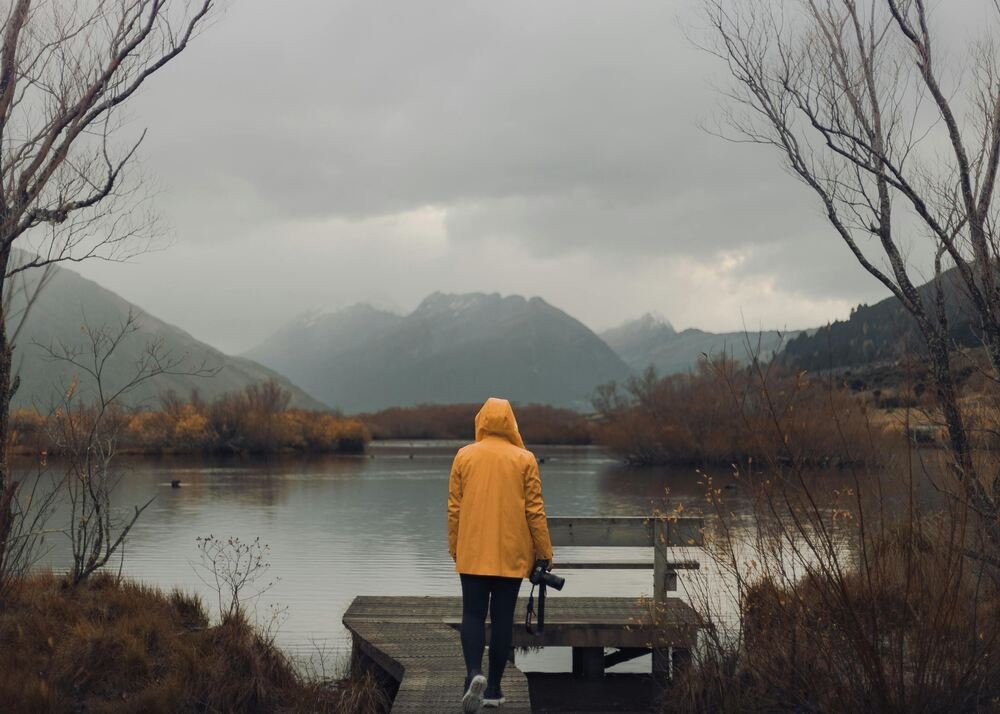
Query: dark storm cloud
[(370, 108)]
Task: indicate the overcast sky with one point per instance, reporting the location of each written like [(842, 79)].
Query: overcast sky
[(314, 154)]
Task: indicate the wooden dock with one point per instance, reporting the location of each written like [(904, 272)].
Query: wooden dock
[(415, 639)]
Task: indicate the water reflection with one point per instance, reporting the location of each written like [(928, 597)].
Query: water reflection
[(341, 527)]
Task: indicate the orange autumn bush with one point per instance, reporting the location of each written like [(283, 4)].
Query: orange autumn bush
[(256, 419)]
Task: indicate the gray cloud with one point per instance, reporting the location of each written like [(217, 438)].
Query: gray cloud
[(317, 152)]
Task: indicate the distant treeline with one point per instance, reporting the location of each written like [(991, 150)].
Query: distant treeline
[(539, 424), (725, 412), (256, 419)]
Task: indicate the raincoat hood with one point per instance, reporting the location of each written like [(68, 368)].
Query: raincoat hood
[(496, 418)]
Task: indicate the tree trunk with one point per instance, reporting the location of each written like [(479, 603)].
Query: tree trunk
[(947, 396), (985, 504), (8, 487)]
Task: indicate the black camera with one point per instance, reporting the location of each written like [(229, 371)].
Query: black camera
[(541, 576)]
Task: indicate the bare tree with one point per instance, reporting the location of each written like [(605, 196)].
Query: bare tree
[(856, 97), (87, 434), (68, 188)]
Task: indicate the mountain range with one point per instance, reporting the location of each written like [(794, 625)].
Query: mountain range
[(450, 349), (653, 341), (69, 301)]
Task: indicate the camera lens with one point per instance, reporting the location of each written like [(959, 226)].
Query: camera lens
[(554, 581)]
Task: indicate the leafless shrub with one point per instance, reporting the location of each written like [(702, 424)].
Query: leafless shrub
[(87, 436), (235, 570)]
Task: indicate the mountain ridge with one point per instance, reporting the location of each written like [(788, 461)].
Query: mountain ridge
[(452, 348), (883, 331), (51, 322), (651, 340)]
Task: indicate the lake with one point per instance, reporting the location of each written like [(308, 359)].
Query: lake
[(372, 525)]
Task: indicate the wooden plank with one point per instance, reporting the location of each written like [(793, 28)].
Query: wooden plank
[(631, 531), (616, 637), (394, 669), (625, 565), (560, 609), (625, 531)]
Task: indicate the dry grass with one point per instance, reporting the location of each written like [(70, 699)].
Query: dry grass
[(879, 595), (829, 644), (107, 646)]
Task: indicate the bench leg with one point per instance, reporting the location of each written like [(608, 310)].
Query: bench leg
[(661, 664), (680, 661), (588, 662)]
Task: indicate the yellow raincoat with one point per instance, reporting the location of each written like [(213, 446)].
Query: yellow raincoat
[(496, 517)]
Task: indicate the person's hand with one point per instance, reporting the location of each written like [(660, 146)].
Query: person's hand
[(551, 563)]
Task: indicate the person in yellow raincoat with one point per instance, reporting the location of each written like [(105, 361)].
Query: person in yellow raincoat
[(497, 529)]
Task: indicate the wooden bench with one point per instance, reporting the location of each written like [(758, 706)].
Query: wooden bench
[(675, 625)]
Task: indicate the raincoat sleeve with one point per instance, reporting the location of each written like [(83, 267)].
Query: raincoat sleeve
[(534, 511), (454, 506)]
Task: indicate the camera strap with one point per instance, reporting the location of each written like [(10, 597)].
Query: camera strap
[(529, 613)]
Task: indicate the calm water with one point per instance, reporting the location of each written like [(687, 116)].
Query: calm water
[(341, 527)]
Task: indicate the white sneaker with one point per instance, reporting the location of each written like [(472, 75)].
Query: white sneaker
[(472, 702), (494, 702)]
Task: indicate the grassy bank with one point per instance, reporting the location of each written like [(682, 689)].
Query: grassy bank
[(110, 646)]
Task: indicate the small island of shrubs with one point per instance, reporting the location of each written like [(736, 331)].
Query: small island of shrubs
[(255, 420)]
